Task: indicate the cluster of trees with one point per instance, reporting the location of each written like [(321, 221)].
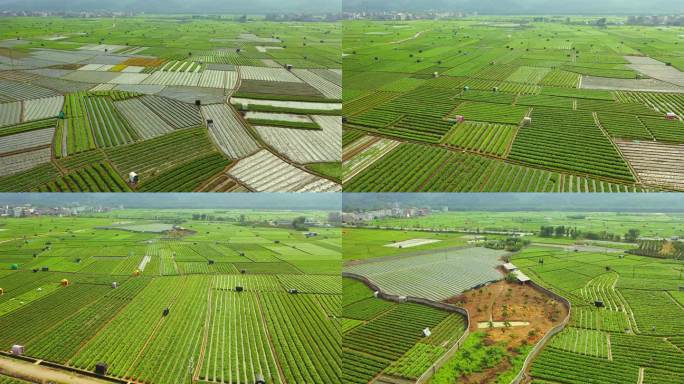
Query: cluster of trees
[(511, 244), (572, 232)]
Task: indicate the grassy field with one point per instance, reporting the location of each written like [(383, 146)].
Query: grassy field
[(135, 94), (649, 225), (226, 286), (456, 93)]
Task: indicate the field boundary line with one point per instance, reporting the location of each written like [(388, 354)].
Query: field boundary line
[(281, 373), (153, 334), (617, 148), (207, 322)]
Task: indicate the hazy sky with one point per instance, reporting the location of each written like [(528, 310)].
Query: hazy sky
[(525, 6), (618, 202), (180, 6), (294, 201)]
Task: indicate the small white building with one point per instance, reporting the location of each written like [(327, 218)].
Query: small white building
[(509, 267), (427, 332), (671, 116), (526, 121), (520, 276), (133, 177)]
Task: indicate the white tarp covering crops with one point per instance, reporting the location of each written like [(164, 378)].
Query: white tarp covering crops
[(133, 69), (23, 161), (307, 145), (305, 105), (411, 243), (278, 117), (23, 91), (218, 79), (435, 276), (10, 113), (174, 78), (37, 109), (265, 172), (129, 78), (228, 131), (329, 89), (142, 119), (268, 74), (26, 140), (102, 47)]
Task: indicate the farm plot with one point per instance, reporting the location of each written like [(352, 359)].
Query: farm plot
[(185, 79), (38, 109), (327, 88), (129, 78), (25, 140), (482, 137), (268, 74), (529, 75), (176, 113), (91, 178), (10, 113), (574, 144), (142, 119), (13, 91), (109, 128), (661, 102), (289, 106), (655, 163), (23, 161), (228, 131), (288, 120), (435, 276), (151, 157), (411, 243), (238, 347), (307, 146), (311, 351), (264, 172), (218, 79)]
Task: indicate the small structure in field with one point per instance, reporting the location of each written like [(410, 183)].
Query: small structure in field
[(210, 123), (65, 283), (495, 89), (403, 299), (136, 272), (521, 277), (427, 332), (243, 271), (210, 261), (292, 291), (311, 234), (456, 119), (198, 102), (435, 75), (133, 177), (509, 267), (45, 269), (239, 289), (259, 379), (289, 67), (165, 312), (238, 50), (2, 291), (599, 304), (671, 116), (527, 121), (17, 350), (101, 368), (376, 294), (115, 285), (466, 88), (681, 289)]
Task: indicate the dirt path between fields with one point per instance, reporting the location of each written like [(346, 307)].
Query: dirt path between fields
[(417, 35), (41, 374)]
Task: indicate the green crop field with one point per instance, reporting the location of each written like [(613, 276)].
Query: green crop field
[(205, 95), (82, 290), (514, 104)]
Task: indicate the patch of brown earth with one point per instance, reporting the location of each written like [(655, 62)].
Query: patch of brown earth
[(508, 302)]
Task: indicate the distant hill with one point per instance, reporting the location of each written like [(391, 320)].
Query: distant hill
[(573, 7), (177, 6)]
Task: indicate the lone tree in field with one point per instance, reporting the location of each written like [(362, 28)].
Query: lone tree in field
[(299, 223), (632, 235)]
